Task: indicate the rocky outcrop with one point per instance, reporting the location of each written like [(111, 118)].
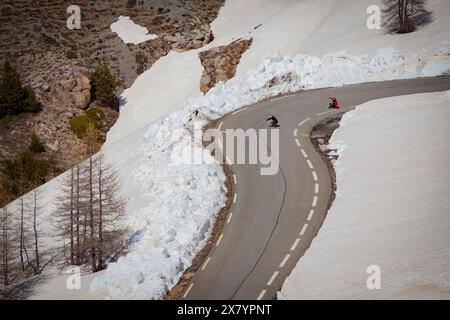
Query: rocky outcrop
[(191, 40), (220, 63)]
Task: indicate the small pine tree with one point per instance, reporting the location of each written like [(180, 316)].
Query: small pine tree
[(14, 98), (29, 102), (11, 92), (103, 84), (36, 145)]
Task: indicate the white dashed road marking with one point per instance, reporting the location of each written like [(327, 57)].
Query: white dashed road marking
[(237, 111), (279, 98), (188, 289), (311, 212), (319, 114), (294, 246), (304, 229), (304, 153), (305, 226), (219, 240), (229, 217), (314, 203), (261, 295), (272, 278), (304, 121), (286, 258), (206, 263)]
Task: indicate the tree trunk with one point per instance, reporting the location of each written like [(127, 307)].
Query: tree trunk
[(100, 217), (5, 250), (78, 253), (405, 16), (21, 241), (36, 245), (400, 15), (91, 215), (72, 260)]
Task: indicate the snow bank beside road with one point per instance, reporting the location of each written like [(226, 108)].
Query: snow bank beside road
[(391, 209), (292, 73)]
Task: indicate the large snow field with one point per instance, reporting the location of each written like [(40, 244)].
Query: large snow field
[(392, 206), (171, 207)]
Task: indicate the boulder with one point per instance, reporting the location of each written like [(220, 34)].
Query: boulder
[(82, 92), (53, 146)]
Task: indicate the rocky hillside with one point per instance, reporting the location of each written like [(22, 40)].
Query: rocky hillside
[(57, 62)]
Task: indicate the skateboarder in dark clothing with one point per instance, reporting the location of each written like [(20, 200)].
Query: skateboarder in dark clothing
[(274, 122)]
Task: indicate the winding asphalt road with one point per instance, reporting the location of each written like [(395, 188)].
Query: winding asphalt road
[(274, 218)]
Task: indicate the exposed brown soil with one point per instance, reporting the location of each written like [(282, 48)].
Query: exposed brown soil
[(220, 63), (320, 135)]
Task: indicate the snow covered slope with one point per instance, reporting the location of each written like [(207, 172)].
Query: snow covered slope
[(392, 206), (171, 207)]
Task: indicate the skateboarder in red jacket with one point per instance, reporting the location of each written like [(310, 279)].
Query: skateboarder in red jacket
[(333, 103)]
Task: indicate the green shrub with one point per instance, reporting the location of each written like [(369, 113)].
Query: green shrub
[(79, 124), (103, 84), (96, 115), (36, 145), (92, 116)]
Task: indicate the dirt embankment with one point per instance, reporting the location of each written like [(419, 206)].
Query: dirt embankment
[(320, 135), (220, 63)]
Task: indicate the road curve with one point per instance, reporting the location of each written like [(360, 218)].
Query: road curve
[(274, 218)]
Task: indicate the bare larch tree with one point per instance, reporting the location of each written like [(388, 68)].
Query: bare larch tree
[(9, 266), (400, 15), (110, 210), (89, 210)]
